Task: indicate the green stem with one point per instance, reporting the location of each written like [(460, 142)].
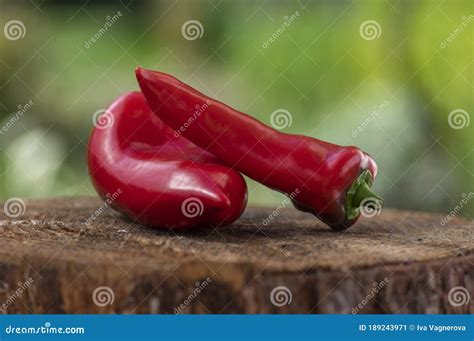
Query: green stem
[(364, 192), (360, 193)]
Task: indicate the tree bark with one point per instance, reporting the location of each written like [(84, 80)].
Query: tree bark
[(53, 261)]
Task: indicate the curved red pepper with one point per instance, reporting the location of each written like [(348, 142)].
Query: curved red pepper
[(137, 163), (326, 179)]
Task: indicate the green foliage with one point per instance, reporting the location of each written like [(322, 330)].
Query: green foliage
[(397, 89)]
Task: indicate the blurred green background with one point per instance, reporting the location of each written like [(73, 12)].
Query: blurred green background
[(382, 75)]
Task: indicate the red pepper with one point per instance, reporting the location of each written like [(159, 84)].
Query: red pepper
[(142, 169), (325, 179)]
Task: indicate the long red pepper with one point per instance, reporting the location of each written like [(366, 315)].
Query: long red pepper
[(143, 169), (325, 179)]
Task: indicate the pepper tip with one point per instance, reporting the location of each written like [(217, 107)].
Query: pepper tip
[(139, 73)]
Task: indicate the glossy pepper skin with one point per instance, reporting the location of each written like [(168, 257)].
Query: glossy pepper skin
[(325, 179), (160, 179)]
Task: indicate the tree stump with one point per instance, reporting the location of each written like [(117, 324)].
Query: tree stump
[(52, 260)]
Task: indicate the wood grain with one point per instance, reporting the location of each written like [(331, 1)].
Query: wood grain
[(396, 262)]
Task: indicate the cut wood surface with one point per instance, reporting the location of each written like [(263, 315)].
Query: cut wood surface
[(53, 261)]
